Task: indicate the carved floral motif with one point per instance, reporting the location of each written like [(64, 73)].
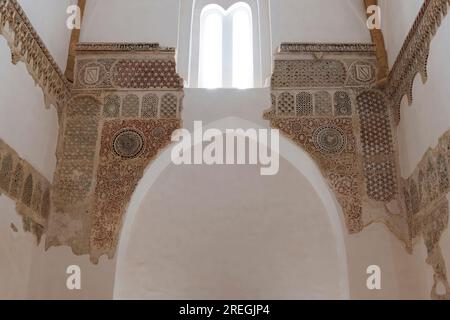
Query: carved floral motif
[(413, 57)]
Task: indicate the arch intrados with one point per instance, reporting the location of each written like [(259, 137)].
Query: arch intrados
[(290, 151)]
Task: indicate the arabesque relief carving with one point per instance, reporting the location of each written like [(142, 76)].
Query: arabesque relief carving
[(413, 56), (324, 98), (425, 193), (28, 188), (344, 121), (126, 102), (27, 46)]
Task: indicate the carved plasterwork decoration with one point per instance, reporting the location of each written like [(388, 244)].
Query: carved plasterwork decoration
[(324, 98), (329, 139), (126, 103), (413, 56), (27, 187), (348, 129), (332, 145), (128, 143), (362, 72), (27, 46), (377, 146), (298, 47), (425, 193), (127, 147)]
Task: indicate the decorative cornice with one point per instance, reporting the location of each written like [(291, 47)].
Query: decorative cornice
[(27, 46), (123, 47), (413, 57), (297, 47)]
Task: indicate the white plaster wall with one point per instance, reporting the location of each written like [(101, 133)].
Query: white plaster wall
[(169, 23), (158, 233), (30, 129), (25, 124), (49, 17), (318, 21), (131, 21), (27, 271), (225, 232), (48, 275), (402, 274), (397, 18), (15, 253), (228, 108), (424, 122), (428, 118)]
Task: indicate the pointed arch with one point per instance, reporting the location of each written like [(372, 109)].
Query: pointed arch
[(296, 156)]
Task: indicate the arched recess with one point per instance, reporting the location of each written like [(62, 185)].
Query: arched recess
[(290, 152), (189, 38)]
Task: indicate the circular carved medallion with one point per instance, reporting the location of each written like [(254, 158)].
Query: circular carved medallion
[(329, 140), (128, 143), (158, 132)]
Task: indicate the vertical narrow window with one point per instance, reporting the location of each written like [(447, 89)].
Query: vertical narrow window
[(242, 47), (211, 40), (226, 49)]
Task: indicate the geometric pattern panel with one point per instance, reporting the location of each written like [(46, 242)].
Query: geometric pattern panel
[(111, 108), (304, 104), (145, 74), (326, 80), (308, 73), (312, 103), (323, 104), (342, 104), (130, 107), (377, 146), (286, 104), (76, 160), (381, 184), (150, 106), (112, 129), (169, 106)]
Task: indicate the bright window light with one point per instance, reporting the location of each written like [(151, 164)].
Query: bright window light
[(242, 48), (210, 73), (226, 47)]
